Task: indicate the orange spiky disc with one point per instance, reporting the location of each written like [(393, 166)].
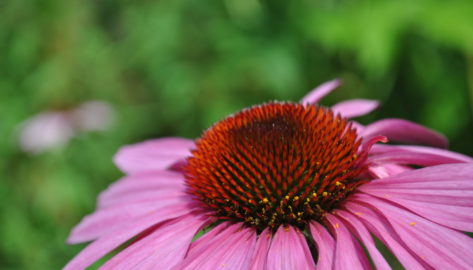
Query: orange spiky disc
[(274, 164)]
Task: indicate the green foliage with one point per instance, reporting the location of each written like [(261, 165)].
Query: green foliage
[(172, 68)]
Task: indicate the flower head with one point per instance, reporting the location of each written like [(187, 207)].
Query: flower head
[(286, 186), (51, 129)]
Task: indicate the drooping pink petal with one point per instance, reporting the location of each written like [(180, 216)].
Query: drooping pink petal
[(161, 249), (348, 253), (433, 194), (142, 182), (384, 149), (116, 237), (443, 194), (365, 238), (449, 184), (399, 130), (260, 256), (414, 155), (355, 107), (325, 246), (439, 246), (379, 226), (230, 249), (103, 221), (152, 155), (453, 216), (320, 91), (369, 143), (289, 250)]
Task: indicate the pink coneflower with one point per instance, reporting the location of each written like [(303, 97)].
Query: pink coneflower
[(286, 186), (52, 129)]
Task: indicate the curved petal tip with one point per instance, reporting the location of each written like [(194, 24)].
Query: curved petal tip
[(321, 91)]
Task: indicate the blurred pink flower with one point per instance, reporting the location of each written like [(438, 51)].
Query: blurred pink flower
[(52, 129), (286, 186)]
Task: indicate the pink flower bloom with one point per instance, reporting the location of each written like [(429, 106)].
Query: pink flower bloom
[(287, 186), (52, 129)]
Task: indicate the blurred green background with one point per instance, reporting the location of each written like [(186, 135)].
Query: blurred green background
[(172, 68)]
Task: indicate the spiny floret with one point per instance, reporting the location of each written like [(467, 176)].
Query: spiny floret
[(274, 164)]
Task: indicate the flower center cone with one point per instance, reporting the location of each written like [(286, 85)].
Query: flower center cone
[(275, 164)]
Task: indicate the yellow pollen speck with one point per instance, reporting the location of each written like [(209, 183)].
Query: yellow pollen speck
[(286, 229), (338, 183), (337, 225), (249, 200), (296, 198), (412, 223), (314, 194), (325, 194), (358, 213), (355, 156), (265, 200), (287, 197), (299, 213)]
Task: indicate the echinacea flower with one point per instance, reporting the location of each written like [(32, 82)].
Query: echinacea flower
[(51, 129), (286, 186)]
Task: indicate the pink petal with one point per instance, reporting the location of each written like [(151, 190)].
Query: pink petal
[(359, 127), (348, 253), (143, 196), (103, 221), (441, 247), (231, 249), (153, 154), (433, 194), (383, 149), (365, 238), (385, 170), (453, 216), (142, 182), (369, 143), (161, 249), (318, 93), (404, 131), (115, 238), (260, 256), (289, 250), (201, 244), (355, 107), (414, 155), (383, 230), (443, 178), (325, 246), (443, 194)]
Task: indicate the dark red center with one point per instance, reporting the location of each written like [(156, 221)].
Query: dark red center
[(274, 164)]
